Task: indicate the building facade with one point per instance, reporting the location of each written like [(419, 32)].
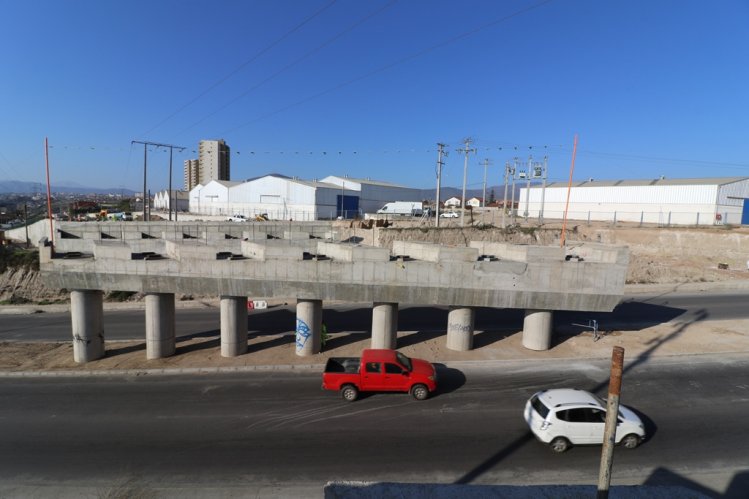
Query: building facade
[(214, 157), (285, 198), (192, 174), (700, 201)]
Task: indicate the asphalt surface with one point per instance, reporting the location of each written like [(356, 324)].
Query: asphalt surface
[(278, 435)]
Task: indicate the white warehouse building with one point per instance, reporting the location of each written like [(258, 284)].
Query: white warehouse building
[(695, 201), (284, 198)]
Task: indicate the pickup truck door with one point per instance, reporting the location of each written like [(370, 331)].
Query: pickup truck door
[(396, 378), (373, 378)]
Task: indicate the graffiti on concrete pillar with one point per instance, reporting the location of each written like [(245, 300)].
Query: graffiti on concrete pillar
[(456, 326), (303, 332)]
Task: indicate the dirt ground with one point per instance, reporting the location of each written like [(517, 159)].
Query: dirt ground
[(661, 260)]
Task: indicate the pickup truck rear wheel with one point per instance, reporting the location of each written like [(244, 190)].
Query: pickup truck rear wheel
[(419, 392), (349, 393)]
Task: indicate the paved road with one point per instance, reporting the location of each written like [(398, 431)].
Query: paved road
[(638, 311), (277, 434)]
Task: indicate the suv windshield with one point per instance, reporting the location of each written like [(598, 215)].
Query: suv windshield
[(403, 360)]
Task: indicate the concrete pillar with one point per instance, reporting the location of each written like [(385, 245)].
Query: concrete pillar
[(160, 337), (460, 328), (384, 325), (308, 327), (537, 329), (87, 316), (233, 325)]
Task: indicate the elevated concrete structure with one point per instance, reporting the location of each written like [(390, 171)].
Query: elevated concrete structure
[(87, 316), (289, 261), (160, 332), (233, 326), (308, 327), (385, 325), (460, 321)]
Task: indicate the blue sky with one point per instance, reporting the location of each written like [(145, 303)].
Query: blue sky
[(366, 88)]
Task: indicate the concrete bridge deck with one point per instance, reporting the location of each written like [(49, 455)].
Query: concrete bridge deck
[(285, 260)]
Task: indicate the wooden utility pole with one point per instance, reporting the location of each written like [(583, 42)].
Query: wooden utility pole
[(612, 417)]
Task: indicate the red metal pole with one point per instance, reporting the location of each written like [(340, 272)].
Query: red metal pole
[(569, 186), (49, 195)]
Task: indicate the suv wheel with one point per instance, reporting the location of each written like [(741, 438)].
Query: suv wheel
[(631, 441), (559, 445)]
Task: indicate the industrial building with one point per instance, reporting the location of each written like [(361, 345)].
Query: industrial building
[(163, 200), (286, 198), (371, 194), (686, 201)]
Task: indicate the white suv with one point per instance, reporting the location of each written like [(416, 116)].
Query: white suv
[(565, 417), (237, 218)]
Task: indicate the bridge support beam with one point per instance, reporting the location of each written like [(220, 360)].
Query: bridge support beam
[(537, 330), (87, 318), (308, 327), (460, 322), (160, 337), (233, 326), (384, 325)]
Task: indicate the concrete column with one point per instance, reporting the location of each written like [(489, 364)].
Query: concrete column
[(384, 325), (160, 335), (537, 329), (460, 328), (308, 327), (87, 316), (233, 325)]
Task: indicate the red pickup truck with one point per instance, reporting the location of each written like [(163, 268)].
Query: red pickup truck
[(379, 371)]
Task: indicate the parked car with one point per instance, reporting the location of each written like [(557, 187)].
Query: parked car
[(565, 417), (379, 370), (449, 214), (237, 218)]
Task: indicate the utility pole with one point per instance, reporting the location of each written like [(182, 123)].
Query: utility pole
[(483, 200), (440, 152), (514, 172), (609, 432), (145, 168), (508, 169), (543, 190), (466, 150), (528, 175)]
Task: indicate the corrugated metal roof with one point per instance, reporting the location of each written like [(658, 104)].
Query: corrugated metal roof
[(370, 181), (648, 182), (226, 183)]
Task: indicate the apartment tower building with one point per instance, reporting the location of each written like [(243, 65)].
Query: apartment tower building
[(213, 163), (213, 158), (192, 173)]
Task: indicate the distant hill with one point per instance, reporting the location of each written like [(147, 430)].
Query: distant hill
[(20, 187)]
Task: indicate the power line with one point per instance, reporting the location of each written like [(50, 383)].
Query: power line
[(393, 64), (243, 65), (292, 64)]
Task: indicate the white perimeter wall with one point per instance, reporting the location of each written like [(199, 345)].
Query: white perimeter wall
[(661, 204)]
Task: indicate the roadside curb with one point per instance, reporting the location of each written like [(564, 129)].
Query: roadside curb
[(159, 372), (290, 368)]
